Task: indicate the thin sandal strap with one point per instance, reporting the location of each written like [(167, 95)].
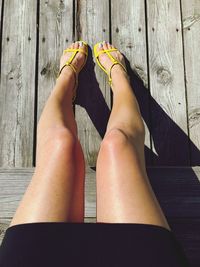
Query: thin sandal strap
[(111, 57), (106, 50), (67, 64), (75, 88), (75, 50), (76, 77), (109, 78), (115, 63)]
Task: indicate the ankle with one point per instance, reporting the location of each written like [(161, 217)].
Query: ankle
[(67, 75), (118, 75), (67, 71)]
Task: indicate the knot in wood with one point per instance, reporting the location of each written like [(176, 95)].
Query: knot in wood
[(61, 5), (43, 71), (129, 45), (164, 76), (194, 118)]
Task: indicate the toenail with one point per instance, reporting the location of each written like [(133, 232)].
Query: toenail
[(81, 43), (100, 45)]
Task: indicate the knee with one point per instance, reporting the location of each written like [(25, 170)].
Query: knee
[(60, 139), (117, 139)]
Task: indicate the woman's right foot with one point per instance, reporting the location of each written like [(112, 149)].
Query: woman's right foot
[(117, 71)]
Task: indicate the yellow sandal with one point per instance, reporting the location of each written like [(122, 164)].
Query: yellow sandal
[(68, 63), (115, 61)]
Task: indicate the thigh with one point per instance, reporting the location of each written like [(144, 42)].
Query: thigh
[(49, 195), (124, 194)]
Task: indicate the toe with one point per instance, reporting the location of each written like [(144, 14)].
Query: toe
[(82, 46), (109, 45), (99, 47), (119, 53), (105, 46), (76, 45)]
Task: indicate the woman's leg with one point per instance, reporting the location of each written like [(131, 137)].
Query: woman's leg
[(56, 191), (124, 194)]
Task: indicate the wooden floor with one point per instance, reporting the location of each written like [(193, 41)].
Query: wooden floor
[(160, 39)]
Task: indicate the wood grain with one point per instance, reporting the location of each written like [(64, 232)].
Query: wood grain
[(167, 86), (160, 39), (191, 31), (177, 189), (17, 90), (129, 36), (55, 34), (1, 12), (93, 101)]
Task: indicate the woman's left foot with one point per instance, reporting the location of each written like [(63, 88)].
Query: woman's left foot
[(78, 60)]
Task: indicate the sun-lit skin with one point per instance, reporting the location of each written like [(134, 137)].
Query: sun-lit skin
[(56, 191)]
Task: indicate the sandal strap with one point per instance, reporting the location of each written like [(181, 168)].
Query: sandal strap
[(103, 51), (72, 56), (110, 56), (75, 88), (67, 64), (75, 50), (115, 63), (109, 78), (75, 75)]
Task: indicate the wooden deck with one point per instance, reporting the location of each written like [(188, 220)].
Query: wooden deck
[(160, 39)]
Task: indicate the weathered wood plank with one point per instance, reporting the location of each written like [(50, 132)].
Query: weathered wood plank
[(191, 31), (17, 80), (167, 86), (93, 99), (13, 184), (177, 189), (55, 34), (4, 224), (1, 12), (130, 38)]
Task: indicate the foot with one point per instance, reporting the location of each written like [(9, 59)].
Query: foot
[(107, 62), (78, 60)]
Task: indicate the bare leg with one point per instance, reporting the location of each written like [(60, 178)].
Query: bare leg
[(124, 194), (56, 191)]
